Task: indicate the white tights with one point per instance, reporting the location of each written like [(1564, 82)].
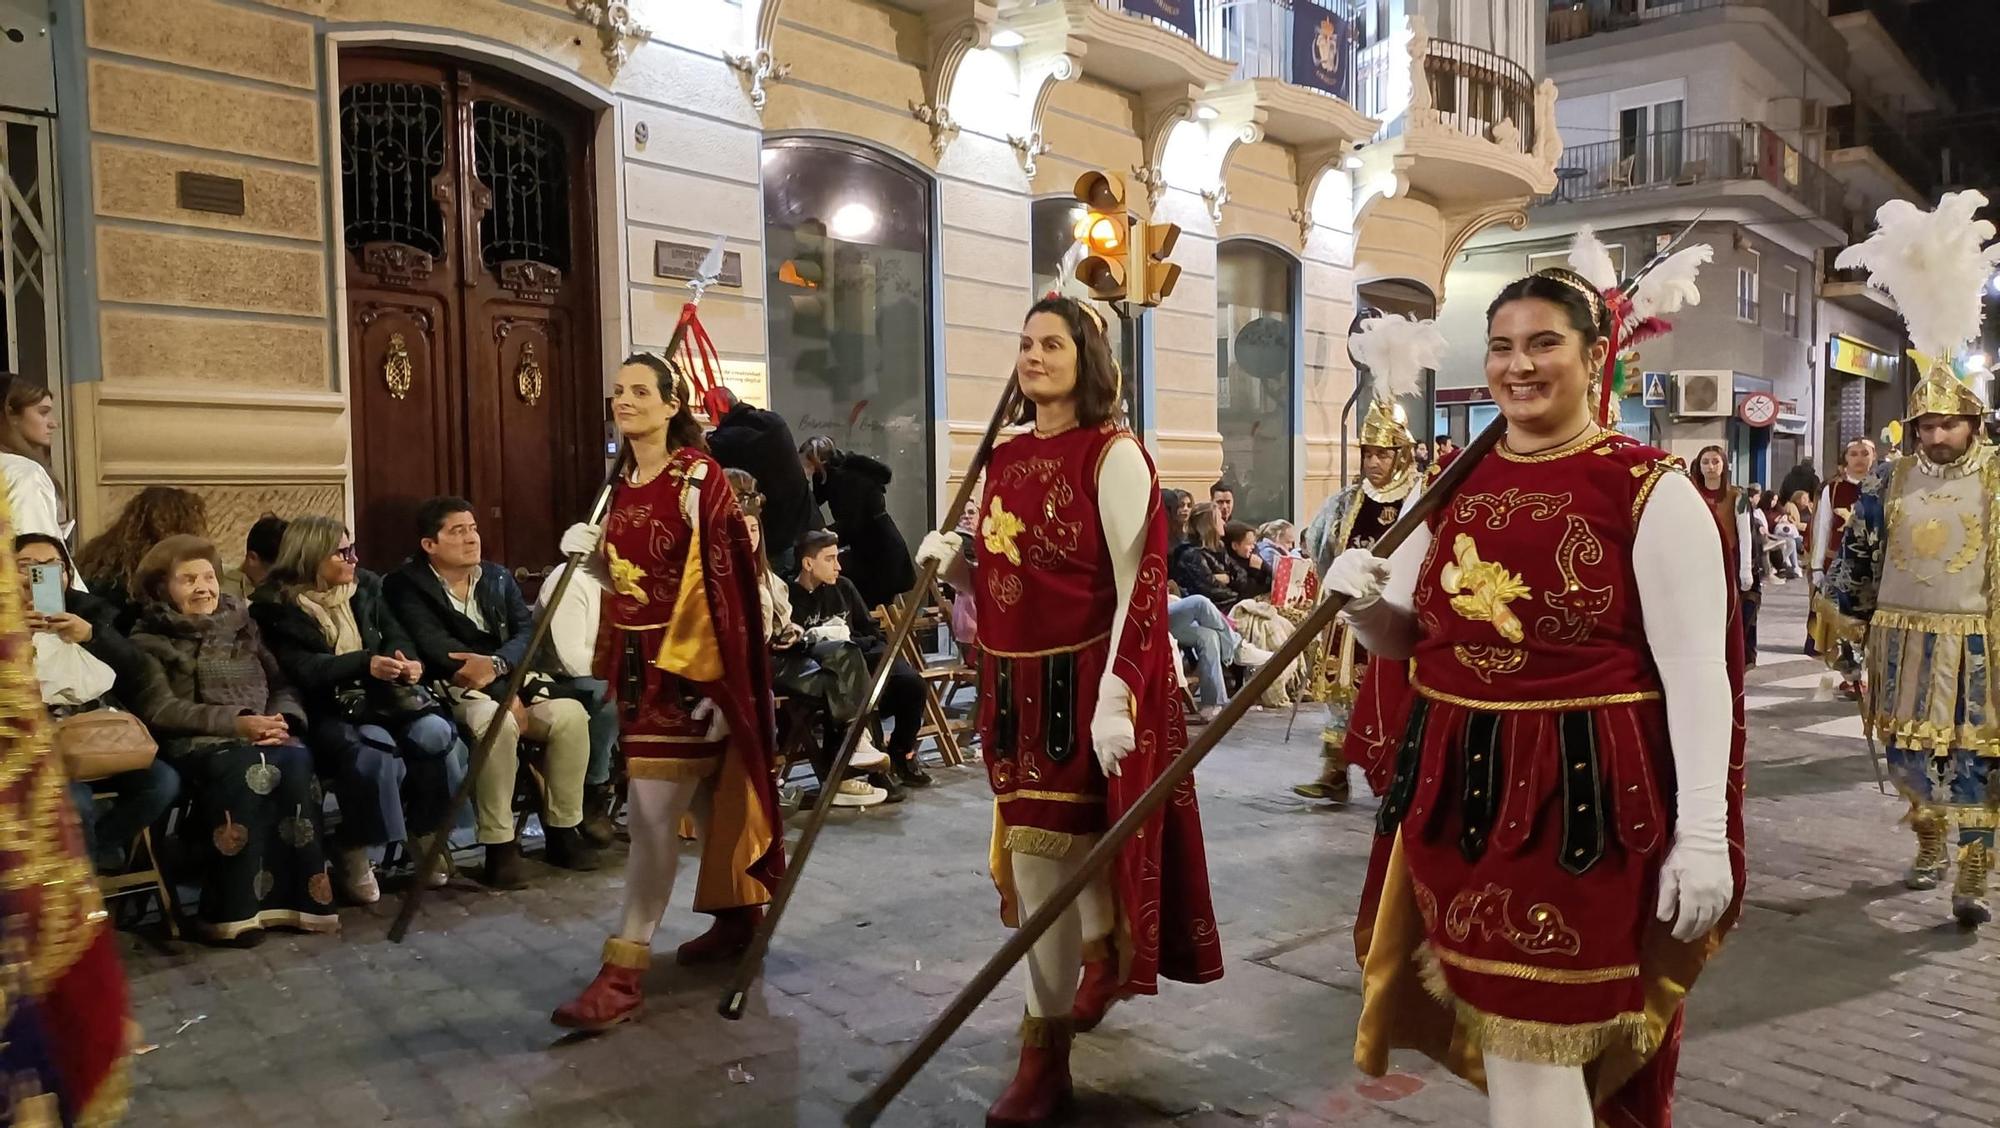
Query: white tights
[(655, 807), (1524, 1095), (1057, 958)]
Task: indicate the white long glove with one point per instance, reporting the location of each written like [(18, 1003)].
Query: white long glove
[(941, 547), (582, 539), (1111, 732), (718, 725), (1360, 575), (1695, 881)]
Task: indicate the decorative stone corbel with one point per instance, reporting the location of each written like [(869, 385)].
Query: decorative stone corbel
[(1153, 181), (951, 38), (1159, 112), (615, 27), (1029, 149), (1060, 64), (1304, 218), (759, 70), (1215, 197)]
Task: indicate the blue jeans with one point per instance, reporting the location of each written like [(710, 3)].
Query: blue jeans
[(141, 799), (603, 728), (386, 782), (1195, 621)]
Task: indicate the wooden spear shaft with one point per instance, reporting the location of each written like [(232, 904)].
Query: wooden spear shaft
[(1101, 855)]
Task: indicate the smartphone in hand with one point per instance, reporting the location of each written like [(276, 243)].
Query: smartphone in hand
[(45, 588)]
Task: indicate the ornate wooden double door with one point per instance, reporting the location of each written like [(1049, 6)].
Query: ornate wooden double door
[(471, 313)]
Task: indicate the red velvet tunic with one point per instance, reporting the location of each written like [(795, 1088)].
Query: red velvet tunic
[(1046, 602), (1842, 495), (693, 641), (1530, 623)]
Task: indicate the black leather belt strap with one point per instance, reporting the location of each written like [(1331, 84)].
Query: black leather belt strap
[(1403, 787), (632, 679), (1059, 705), (1006, 726), (1481, 770), (1583, 794)]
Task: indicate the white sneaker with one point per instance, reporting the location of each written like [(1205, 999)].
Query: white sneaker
[(1251, 657), (357, 876), (867, 757), (858, 793)]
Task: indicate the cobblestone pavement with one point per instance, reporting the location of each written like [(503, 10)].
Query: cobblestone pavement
[(1842, 999)]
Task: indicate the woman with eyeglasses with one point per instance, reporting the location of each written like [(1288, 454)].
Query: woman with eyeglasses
[(382, 741)]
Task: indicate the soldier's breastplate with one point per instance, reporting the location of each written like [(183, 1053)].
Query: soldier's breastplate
[(1937, 546)]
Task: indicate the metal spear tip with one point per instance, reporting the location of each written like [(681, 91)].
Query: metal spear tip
[(710, 269)]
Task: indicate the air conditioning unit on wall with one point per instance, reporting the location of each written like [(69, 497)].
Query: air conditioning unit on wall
[(1704, 394)]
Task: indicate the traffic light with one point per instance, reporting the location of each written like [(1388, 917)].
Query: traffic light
[(804, 277), (1151, 276), (1106, 233)]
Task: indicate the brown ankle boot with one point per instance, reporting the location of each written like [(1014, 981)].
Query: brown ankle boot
[(1041, 1086), (613, 997), (1099, 988), (598, 828), (725, 939)]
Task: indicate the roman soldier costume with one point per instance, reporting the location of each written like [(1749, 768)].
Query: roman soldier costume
[(65, 1026), (1837, 500), (1918, 571), (1047, 606), (1534, 796), (1354, 518), (683, 634)]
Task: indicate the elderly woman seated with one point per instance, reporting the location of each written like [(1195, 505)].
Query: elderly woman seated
[(229, 724)]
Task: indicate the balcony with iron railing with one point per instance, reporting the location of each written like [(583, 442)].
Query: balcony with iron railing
[(1572, 20), (1696, 165)]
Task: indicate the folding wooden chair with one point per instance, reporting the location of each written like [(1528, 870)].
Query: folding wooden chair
[(938, 725), (142, 876)]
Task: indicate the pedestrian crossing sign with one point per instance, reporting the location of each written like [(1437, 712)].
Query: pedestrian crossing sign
[(1654, 389)]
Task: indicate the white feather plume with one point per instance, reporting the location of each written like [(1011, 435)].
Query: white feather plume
[(1670, 284), (1589, 257), (1396, 350), (1934, 263)]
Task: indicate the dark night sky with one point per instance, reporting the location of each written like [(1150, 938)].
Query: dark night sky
[(1961, 37)]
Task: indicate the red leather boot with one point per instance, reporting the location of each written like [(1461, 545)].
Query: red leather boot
[(1041, 1086), (1099, 988), (726, 939), (616, 994)]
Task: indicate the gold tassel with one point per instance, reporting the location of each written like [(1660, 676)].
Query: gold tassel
[(1539, 1043), (1039, 843)]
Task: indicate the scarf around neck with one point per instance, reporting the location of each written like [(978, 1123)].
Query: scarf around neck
[(333, 610)]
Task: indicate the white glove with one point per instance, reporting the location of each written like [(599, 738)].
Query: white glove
[(1360, 575), (1111, 732), (941, 547), (1695, 884), (582, 539), (718, 725)]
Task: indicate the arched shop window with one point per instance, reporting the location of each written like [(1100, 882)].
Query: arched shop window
[(1053, 242), (1256, 374), (847, 248)]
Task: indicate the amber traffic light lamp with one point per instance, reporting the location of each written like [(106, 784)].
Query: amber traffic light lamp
[(1106, 233)]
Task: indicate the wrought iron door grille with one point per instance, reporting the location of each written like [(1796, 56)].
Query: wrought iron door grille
[(521, 157), (392, 150)]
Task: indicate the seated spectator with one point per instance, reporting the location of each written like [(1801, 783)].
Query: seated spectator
[(470, 626), (855, 490), (1222, 495), (228, 722), (109, 561), (1276, 539), (571, 655), (383, 742), (260, 551), (1179, 506), (1197, 564), (1787, 541), (1248, 577), (1195, 622), (846, 642), (760, 444), (83, 664)]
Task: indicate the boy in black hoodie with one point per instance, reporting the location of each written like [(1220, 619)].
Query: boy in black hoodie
[(846, 641)]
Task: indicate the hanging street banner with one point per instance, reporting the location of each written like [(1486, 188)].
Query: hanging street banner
[(1322, 54), (1176, 13)]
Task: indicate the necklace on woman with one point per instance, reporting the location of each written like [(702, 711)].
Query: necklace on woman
[(1508, 441), (1050, 434)]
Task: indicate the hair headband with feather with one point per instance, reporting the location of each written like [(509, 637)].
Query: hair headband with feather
[(1636, 308)]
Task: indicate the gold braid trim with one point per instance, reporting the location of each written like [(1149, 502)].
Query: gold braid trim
[(1929, 622), (676, 769), (1538, 1043), (1099, 949), (628, 954), (1042, 1033), (1940, 739), (1558, 975), (1039, 843)]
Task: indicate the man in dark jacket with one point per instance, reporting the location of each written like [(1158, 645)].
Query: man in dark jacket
[(1801, 478), (855, 490), (470, 626), (759, 443)]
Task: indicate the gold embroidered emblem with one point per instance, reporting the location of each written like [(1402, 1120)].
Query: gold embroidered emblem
[(999, 529), (1485, 661), (625, 576), (1481, 589), (1579, 605), (1488, 910), (1500, 508), (1929, 538)]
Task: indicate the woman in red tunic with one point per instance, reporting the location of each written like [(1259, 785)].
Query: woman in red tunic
[(1078, 713), (1562, 828), (681, 615)]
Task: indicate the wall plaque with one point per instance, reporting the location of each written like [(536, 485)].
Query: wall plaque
[(198, 191), (682, 260)]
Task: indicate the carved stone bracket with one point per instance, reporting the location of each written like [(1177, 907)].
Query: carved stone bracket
[(1042, 76), (759, 70), (1216, 197), (951, 38), (616, 28), (1152, 180), (1312, 165), (1028, 148), (1159, 112), (1304, 218)]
